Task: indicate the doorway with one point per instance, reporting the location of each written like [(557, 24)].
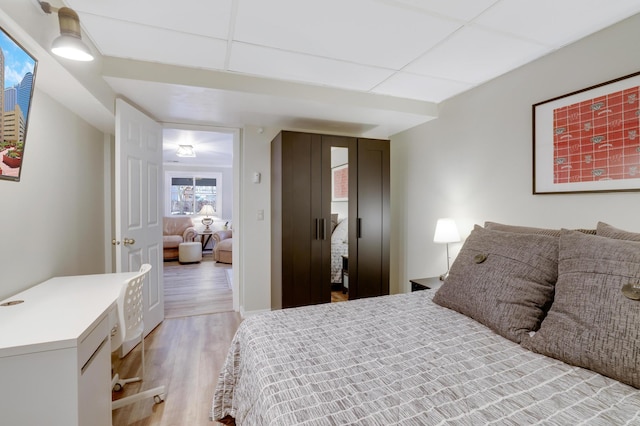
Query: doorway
[(200, 169)]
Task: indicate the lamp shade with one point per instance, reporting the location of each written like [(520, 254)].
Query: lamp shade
[(207, 210), (446, 231), (69, 44)]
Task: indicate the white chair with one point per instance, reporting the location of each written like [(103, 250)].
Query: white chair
[(128, 327)]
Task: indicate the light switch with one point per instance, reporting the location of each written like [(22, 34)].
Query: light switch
[(260, 214)]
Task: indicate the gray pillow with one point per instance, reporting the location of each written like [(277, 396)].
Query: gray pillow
[(503, 280), (591, 323), (606, 230), (530, 230)]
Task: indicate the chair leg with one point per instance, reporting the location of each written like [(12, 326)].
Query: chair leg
[(117, 383), (157, 393), (142, 347)]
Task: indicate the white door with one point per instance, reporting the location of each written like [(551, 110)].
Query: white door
[(138, 198)]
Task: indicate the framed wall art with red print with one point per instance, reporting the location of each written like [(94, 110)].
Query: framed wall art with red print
[(589, 140)]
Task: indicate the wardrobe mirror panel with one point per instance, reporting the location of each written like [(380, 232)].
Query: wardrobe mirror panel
[(339, 224)]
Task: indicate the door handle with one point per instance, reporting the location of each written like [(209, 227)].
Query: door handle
[(128, 241), (321, 229), (359, 228), (115, 242)]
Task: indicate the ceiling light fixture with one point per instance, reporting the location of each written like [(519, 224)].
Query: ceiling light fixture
[(185, 151), (69, 44)]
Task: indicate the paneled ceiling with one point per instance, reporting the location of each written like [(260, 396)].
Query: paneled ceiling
[(369, 67)]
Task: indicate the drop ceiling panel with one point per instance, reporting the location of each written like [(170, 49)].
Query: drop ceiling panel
[(208, 18), (464, 10), (413, 86), (285, 65), (554, 22), (474, 55), (369, 32), (126, 40)]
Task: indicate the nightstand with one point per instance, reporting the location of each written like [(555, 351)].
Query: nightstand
[(345, 273), (431, 283)]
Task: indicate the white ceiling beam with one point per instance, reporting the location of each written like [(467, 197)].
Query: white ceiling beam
[(210, 79)]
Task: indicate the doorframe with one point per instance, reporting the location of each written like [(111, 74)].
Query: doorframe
[(109, 150), (236, 217)]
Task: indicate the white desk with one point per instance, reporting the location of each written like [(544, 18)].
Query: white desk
[(55, 354)]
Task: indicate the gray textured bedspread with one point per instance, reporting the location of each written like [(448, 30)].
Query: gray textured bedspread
[(403, 360)]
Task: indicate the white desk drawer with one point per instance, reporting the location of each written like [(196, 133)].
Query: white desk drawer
[(92, 342)]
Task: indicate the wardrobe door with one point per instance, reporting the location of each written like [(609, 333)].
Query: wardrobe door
[(372, 222), (300, 227), (297, 226)]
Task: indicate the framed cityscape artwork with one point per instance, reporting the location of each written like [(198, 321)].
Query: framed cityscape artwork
[(17, 72), (589, 140)]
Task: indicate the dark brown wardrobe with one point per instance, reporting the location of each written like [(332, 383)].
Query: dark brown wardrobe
[(301, 217)]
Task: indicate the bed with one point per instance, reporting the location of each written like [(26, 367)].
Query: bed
[(339, 248), (518, 353)]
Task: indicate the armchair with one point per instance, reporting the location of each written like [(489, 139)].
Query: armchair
[(223, 249), (176, 230)]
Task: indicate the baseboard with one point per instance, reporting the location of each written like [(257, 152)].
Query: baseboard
[(245, 314)]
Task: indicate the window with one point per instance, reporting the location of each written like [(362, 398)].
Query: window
[(188, 194)]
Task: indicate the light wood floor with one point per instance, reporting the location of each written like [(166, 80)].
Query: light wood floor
[(339, 296), (186, 351), (197, 288), (186, 355)]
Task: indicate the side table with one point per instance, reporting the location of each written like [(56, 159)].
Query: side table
[(205, 237), (430, 283)]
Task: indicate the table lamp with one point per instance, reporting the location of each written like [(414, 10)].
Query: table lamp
[(446, 232), (208, 211)]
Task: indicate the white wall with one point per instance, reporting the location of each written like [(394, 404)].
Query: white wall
[(52, 220), (474, 163), (256, 234)]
